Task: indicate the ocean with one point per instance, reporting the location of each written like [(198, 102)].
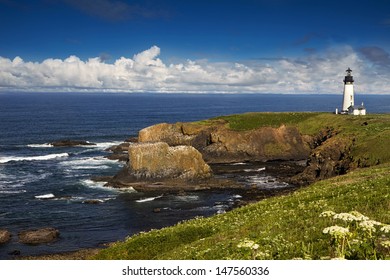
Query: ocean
[(46, 186)]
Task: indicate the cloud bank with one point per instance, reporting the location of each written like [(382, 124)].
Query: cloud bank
[(146, 72)]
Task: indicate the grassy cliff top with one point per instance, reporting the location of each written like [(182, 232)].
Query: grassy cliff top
[(284, 227), (370, 134)]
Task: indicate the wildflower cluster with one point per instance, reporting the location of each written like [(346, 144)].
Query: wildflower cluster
[(336, 231), (386, 228), (246, 243), (359, 238)]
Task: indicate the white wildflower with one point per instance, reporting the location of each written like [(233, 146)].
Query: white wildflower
[(246, 243), (369, 225), (385, 228), (345, 217), (336, 231), (359, 216), (327, 214), (386, 244)]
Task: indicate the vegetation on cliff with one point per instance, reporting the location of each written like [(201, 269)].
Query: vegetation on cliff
[(284, 227), (343, 217)]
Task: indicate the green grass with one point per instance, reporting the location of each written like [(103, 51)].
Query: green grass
[(289, 226), (284, 227)]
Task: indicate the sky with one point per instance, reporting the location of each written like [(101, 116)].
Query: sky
[(213, 46)]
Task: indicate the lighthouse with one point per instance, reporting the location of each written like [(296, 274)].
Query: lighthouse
[(348, 97), (349, 107)]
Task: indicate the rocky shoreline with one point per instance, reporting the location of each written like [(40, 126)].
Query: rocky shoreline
[(181, 157)]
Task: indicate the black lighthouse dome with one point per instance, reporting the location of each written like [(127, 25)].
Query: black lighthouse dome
[(349, 78)]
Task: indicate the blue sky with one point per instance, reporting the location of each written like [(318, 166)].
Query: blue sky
[(275, 46)]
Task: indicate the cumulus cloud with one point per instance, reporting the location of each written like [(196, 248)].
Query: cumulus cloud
[(146, 72)]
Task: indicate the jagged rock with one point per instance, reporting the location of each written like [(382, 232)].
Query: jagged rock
[(5, 236), (38, 236), (329, 159), (71, 143), (158, 160)]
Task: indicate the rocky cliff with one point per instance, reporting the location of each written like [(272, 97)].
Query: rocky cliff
[(329, 144), (219, 144)]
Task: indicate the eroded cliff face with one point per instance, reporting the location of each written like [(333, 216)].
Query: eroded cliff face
[(219, 144), (330, 156)]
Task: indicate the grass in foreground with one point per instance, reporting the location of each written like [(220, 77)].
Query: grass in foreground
[(285, 227)]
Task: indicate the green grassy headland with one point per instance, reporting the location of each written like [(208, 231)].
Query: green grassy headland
[(289, 226)]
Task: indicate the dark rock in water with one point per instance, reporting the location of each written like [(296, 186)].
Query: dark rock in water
[(156, 210), (71, 143), (118, 156), (5, 236), (38, 236), (119, 152), (14, 253), (93, 201)]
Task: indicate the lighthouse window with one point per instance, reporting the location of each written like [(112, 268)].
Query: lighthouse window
[(351, 97)]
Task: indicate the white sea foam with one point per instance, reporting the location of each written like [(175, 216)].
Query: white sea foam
[(45, 196), (31, 158), (95, 185), (46, 145), (106, 145), (21, 179), (239, 163), (12, 191), (255, 170), (88, 163), (266, 182), (187, 197), (148, 199)]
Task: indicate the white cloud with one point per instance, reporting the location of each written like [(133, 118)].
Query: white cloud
[(146, 72)]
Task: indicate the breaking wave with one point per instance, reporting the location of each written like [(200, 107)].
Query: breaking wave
[(31, 158), (148, 199)]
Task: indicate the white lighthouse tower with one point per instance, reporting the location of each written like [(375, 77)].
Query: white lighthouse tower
[(348, 98)]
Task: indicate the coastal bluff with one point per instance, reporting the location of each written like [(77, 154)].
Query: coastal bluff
[(328, 145), (219, 144)]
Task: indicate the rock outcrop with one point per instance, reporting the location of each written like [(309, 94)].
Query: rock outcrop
[(5, 236), (330, 157), (219, 144), (71, 143), (38, 236), (158, 162)]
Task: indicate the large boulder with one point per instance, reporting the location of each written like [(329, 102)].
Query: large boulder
[(5, 236), (160, 161), (38, 236)]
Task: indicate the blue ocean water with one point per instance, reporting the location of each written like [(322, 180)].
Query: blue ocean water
[(42, 186)]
